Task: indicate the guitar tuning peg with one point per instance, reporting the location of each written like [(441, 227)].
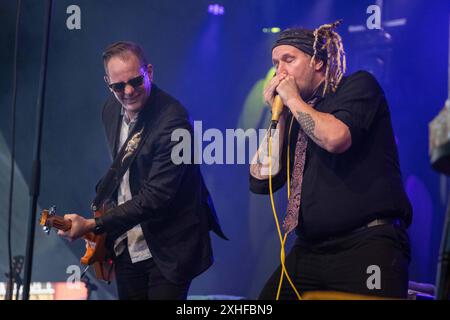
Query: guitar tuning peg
[(46, 229), (44, 217), (52, 210)]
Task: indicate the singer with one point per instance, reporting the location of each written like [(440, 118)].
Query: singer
[(158, 232), (347, 202)]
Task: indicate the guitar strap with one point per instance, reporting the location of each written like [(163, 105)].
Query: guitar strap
[(121, 163)]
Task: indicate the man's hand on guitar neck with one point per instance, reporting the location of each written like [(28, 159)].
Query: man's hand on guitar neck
[(80, 226)]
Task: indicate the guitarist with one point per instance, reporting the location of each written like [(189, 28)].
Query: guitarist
[(158, 232)]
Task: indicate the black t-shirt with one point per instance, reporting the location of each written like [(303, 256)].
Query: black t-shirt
[(341, 192)]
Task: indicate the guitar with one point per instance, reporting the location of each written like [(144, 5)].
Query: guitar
[(96, 254), (14, 278)]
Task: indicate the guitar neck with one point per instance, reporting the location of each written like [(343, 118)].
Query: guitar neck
[(59, 223)]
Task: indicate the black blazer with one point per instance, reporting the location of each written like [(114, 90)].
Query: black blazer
[(171, 202)]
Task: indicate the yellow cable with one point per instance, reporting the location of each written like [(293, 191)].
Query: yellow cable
[(271, 191), (288, 194), (282, 253), (282, 239)]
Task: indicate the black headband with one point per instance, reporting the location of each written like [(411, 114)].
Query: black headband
[(303, 40)]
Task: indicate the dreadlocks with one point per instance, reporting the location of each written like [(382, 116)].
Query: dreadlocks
[(336, 62), (324, 44)]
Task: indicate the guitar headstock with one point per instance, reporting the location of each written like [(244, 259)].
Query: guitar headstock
[(46, 219), (50, 220)]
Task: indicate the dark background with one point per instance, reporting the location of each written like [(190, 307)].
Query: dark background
[(215, 66)]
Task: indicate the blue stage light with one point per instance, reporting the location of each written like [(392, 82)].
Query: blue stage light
[(216, 9)]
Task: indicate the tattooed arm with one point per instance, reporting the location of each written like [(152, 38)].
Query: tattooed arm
[(323, 128)]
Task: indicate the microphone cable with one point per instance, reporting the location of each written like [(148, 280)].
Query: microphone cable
[(281, 237)]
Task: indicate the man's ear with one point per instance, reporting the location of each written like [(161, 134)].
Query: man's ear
[(318, 64), (150, 72)]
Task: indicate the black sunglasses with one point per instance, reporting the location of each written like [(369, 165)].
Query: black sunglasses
[(120, 86)]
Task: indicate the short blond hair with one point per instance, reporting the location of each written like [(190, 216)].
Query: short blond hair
[(122, 49)]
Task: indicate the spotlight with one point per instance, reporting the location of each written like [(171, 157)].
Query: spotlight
[(216, 9)]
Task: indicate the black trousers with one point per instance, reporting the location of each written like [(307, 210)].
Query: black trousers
[(144, 281), (371, 262)]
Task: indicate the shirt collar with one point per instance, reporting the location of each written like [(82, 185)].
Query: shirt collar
[(126, 119), (317, 95)]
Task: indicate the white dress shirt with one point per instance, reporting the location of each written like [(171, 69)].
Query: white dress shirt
[(137, 245)]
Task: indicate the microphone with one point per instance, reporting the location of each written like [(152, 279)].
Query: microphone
[(277, 109)]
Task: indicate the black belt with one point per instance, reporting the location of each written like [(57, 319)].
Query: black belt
[(380, 222), (371, 224)]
